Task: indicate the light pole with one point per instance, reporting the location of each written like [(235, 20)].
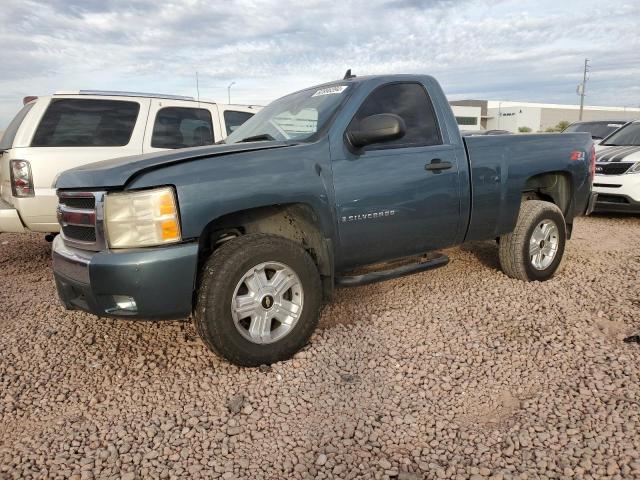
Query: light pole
[(229, 91), (583, 86)]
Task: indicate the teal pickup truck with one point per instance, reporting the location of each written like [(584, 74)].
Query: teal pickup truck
[(341, 184)]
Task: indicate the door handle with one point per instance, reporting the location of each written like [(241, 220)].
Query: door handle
[(437, 165)]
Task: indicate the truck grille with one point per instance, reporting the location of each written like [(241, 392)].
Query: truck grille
[(81, 234), (86, 203), (80, 218), (613, 168)]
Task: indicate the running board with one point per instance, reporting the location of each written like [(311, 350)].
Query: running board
[(421, 265)]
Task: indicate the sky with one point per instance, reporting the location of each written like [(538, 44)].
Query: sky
[(524, 50)]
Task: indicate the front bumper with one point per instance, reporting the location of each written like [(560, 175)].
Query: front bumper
[(9, 219), (617, 193), (160, 281), (616, 203)]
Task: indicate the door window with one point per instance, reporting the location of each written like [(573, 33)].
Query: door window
[(234, 119), (411, 102), (180, 127), (70, 122)]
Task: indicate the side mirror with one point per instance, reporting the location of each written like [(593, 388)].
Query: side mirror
[(377, 128)]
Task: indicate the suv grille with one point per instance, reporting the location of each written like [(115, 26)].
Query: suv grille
[(80, 218), (614, 168)]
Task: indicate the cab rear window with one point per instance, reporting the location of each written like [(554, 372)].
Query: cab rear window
[(86, 123)]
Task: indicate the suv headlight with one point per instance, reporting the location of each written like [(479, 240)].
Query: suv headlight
[(635, 168), (142, 218)]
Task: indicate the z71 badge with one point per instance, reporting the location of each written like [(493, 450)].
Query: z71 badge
[(368, 216)]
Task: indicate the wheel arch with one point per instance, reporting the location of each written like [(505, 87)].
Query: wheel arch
[(555, 187), (298, 222)]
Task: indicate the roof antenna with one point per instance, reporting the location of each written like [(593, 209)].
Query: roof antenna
[(198, 88), (348, 75)]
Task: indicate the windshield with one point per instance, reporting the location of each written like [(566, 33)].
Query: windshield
[(628, 135), (596, 129), (298, 116)]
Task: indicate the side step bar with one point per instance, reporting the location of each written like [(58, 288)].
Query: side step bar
[(439, 260)]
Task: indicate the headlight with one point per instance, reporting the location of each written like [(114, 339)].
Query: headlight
[(142, 218), (635, 168)]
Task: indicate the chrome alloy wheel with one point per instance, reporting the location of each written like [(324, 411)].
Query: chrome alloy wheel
[(543, 244), (267, 302)]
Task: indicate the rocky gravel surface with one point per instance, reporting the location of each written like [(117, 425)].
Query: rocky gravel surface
[(456, 373)]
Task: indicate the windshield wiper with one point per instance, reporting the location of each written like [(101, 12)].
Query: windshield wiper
[(257, 138)]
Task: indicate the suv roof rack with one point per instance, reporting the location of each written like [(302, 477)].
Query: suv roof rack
[(116, 93)]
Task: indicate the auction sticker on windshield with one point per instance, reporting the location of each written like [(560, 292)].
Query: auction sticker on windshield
[(330, 90)]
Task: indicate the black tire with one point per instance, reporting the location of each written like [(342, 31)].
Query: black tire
[(224, 269), (514, 247)]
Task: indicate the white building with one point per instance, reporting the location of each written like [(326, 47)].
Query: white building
[(505, 115), (468, 116)]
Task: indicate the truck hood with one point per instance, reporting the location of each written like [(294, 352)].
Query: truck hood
[(118, 171)]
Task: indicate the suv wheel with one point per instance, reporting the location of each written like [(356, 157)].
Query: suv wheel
[(534, 250), (259, 300)]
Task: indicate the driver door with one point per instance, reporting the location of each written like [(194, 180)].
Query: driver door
[(391, 202)]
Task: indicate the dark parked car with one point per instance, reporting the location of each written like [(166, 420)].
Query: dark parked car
[(598, 129), (341, 184)]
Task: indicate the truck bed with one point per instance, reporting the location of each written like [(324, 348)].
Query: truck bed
[(501, 165)]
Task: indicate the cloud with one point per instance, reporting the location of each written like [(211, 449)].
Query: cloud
[(525, 50)]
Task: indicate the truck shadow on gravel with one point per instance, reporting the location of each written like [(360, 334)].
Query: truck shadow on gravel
[(485, 252)]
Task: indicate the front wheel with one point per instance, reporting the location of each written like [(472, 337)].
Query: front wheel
[(534, 250), (259, 300)]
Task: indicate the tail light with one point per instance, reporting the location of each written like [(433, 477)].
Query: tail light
[(592, 166), (21, 179)]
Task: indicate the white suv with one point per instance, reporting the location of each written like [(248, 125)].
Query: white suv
[(617, 179), (68, 129)]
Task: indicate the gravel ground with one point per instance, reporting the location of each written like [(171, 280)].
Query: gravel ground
[(456, 373)]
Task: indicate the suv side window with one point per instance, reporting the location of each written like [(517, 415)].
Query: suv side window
[(233, 119), (180, 127), (70, 122), (411, 102)]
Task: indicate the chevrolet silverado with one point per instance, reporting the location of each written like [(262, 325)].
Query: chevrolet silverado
[(341, 184)]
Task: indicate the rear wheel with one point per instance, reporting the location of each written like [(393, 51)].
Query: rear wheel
[(259, 300), (534, 250)]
